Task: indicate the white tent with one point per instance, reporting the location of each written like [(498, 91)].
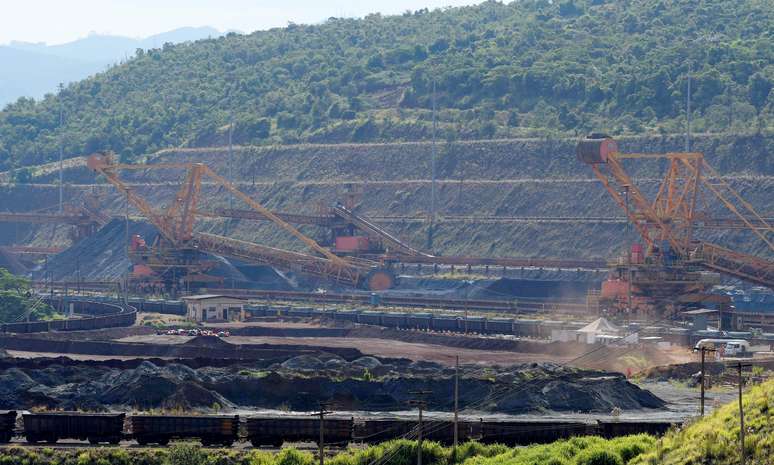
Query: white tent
[(601, 326), (598, 329)]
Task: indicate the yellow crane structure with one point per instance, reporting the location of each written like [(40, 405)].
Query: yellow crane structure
[(690, 193), (178, 253)]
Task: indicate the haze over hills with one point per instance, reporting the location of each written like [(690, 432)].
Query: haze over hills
[(524, 69), (34, 69)]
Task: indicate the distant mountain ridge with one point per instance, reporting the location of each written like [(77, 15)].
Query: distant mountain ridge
[(34, 69)]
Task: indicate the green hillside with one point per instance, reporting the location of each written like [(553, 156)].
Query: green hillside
[(715, 440), (528, 68)]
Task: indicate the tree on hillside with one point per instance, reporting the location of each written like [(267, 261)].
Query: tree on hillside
[(16, 299), (11, 282), (559, 67)]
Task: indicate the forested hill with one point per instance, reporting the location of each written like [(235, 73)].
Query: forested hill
[(527, 68)]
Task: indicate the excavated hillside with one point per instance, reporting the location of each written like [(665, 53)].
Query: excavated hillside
[(525, 177)]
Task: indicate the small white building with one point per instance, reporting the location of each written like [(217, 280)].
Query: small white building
[(212, 307)]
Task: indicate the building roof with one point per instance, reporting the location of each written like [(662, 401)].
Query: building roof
[(600, 326), (210, 297), (701, 311)]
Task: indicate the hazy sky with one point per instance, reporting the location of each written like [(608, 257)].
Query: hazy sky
[(58, 21)]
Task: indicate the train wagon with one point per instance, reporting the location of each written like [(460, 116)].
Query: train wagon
[(474, 324), (370, 318), (499, 325), (273, 431), (7, 425), (513, 433), (446, 323), (423, 321), (374, 431), (612, 429), (160, 429), (394, 320), (95, 427), (302, 312), (346, 315)]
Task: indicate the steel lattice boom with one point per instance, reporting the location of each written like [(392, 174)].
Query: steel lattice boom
[(689, 190), (180, 249)]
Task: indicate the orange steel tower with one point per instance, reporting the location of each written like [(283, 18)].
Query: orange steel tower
[(673, 262)]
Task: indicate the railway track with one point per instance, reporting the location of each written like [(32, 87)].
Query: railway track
[(131, 444)]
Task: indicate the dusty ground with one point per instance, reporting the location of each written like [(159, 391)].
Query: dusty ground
[(628, 360)]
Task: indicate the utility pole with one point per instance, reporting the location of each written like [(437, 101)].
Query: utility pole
[(431, 230), (61, 157), (741, 413), (128, 249), (456, 404), (702, 375), (688, 111), (321, 443), (421, 404), (231, 159)]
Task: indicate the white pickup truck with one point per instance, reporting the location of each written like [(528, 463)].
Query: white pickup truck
[(726, 347)]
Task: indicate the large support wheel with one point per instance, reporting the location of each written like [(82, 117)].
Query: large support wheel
[(379, 280)]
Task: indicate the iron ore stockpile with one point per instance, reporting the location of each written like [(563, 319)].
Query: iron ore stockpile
[(232, 401), (300, 382)]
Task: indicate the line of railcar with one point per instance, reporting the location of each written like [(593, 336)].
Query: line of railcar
[(453, 323), (260, 431)]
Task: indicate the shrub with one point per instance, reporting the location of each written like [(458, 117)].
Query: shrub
[(185, 454), (631, 446), (598, 456), (293, 457)]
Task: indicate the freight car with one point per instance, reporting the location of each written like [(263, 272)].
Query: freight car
[(532, 432), (96, 427), (302, 312), (7, 425), (613, 429), (394, 320), (160, 429), (371, 318), (273, 431), (446, 323), (346, 315), (374, 431), (499, 326)]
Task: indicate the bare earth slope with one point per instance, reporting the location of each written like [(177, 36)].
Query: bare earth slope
[(501, 177)]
